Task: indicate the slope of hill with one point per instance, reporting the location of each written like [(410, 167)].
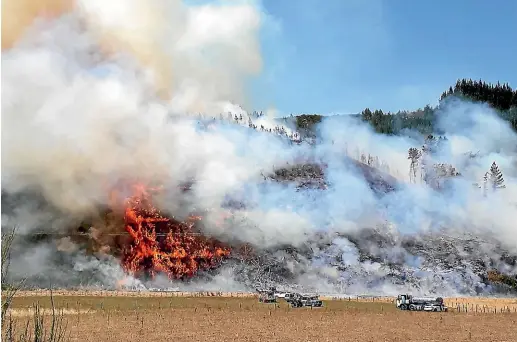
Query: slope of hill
[(338, 254)]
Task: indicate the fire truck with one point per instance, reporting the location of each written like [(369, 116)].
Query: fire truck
[(310, 300), (267, 296), (408, 302)]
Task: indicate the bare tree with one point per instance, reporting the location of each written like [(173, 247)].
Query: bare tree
[(376, 162), (440, 173), (485, 182), (414, 155), (370, 160)]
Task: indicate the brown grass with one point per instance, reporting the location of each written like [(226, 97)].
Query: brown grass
[(465, 304), (156, 317)]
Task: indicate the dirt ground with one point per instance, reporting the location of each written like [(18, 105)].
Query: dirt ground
[(180, 318)]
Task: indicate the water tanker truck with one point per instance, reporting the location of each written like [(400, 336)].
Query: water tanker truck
[(408, 302)]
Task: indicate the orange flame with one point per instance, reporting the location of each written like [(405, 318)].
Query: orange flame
[(163, 245)]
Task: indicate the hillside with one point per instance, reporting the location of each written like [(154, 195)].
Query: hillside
[(439, 250), (377, 246)]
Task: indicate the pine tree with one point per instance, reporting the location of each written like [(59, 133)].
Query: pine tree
[(367, 114), (495, 177)]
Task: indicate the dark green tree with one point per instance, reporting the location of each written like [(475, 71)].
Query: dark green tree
[(367, 115)]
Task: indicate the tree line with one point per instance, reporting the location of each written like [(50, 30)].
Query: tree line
[(501, 97), (205, 122)]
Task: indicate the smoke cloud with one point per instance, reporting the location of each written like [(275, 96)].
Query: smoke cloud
[(94, 93), (18, 16)]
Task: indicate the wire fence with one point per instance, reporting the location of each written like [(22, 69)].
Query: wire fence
[(477, 308), (459, 305)]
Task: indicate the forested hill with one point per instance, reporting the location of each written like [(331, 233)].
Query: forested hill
[(501, 97)]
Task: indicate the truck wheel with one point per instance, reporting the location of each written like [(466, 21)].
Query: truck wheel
[(403, 307)]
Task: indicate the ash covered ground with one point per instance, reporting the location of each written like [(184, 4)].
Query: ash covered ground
[(88, 103), (382, 260)]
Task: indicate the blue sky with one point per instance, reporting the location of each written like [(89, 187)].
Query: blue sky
[(340, 56)]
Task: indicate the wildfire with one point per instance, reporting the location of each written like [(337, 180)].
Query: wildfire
[(163, 245)]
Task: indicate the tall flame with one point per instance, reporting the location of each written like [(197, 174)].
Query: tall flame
[(163, 245)]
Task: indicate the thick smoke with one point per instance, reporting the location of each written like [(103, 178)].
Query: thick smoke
[(18, 16), (94, 93), (97, 93), (196, 58), (95, 115)]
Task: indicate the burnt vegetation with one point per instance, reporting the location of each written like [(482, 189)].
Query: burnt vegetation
[(434, 251)]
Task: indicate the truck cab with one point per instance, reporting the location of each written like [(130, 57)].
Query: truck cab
[(436, 306), (288, 296), (267, 297), (403, 301), (306, 300)]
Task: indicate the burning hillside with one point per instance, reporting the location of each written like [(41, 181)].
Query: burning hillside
[(90, 101)]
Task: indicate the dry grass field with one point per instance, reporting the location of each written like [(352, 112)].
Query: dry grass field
[(113, 316)]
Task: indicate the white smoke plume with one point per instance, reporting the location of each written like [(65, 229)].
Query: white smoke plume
[(94, 126), (94, 92), (97, 92)]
